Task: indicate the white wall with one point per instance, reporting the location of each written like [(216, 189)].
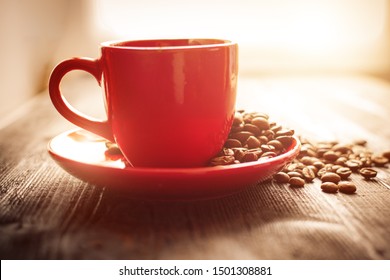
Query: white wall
[(35, 35)]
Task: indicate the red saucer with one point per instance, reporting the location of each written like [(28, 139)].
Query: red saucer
[(82, 154)]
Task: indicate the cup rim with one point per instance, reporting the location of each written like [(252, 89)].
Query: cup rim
[(191, 43)]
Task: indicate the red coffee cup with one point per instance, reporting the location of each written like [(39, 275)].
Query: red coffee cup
[(169, 103)]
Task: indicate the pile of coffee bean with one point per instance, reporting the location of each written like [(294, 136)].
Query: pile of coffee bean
[(253, 137), (333, 163)]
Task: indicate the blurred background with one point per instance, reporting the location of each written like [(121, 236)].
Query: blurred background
[(279, 37)]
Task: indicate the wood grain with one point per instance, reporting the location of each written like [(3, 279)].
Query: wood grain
[(45, 213)]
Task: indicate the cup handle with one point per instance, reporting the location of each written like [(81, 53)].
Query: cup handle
[(99, 127)]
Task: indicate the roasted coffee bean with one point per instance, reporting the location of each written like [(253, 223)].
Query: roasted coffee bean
[(353, 164), (330, 177), (260, 115), (368, 173), (347, 187), (249, 156), (296, 182), (241, 136), (277, 144), (295, 174), (341, 161), (330, 156), (267, 148), (343, 149), (261, 123), (233, 143), (306, 160), (257, 151), (226, 152), (360, 142), (269, 134), (344, 172), (239, 153), (386, 154), (223, 160), (253, 142), (269, 154), (237, 128), (319, 164), (263, 139), (284, 132), (252, 128), (308, 174), (238, 119), (329, 187), (285, 140), (366, 161), (312, 167), (321, 172), (113, 152), (275, 128), (335, 167), (281, 177), (380, 161)]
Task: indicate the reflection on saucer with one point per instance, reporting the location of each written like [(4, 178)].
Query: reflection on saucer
[(83, 146)]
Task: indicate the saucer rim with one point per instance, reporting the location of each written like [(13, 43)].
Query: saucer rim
[(293, 150)]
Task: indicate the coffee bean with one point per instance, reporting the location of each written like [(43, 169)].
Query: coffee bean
[(277, 144), (241, 136), (252, 128), (295, 174), (353, 164), (261, 115), (226, 152), (380, 161), (237, 119), (343, 149), (284, 132), (386, 154), (330, 156), (269, 134), (263, 139), (281, 177), (360, 142), (306, 160), (319, 164), (329, 187), (341, 161), (296, 182), (223, 160), (249, 156), (347, 187), (308, 174), (330, 177), (239, 153), (285, 140), (368, 173), (252, 142), (261, 122), (267, 148), (344, 172), (269, 154), (275, 127), (237, 128), (233, 143)]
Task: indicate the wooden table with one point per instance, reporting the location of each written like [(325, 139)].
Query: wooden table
[(46, 213)]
